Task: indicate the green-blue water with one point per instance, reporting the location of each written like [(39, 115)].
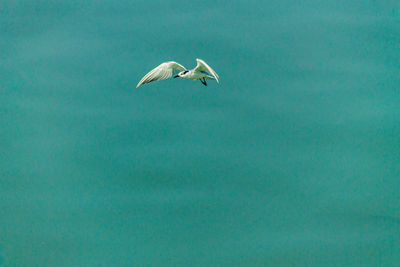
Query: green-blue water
[(292, 160)]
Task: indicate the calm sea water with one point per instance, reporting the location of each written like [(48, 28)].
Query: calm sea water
[(292, 160)]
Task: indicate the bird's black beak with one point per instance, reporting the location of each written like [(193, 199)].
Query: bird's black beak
[(176, 76)]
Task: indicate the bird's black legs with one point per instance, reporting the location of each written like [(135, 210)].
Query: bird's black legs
[(203, 81)]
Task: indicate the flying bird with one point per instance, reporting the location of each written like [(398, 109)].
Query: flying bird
[(167, 69)]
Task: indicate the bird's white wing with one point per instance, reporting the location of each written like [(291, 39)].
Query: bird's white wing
[(163, 71), (202, 66)]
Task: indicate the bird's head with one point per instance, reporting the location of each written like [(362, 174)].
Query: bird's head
[(181, 74)]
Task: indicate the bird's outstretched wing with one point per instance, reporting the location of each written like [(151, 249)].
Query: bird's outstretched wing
[(163, 71), (202, 66)]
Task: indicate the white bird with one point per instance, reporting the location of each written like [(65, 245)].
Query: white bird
[(167, 69)]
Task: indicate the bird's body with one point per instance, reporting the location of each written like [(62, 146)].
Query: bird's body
[(196, 75), (165, 70)]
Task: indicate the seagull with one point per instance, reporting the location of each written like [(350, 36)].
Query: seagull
[(167, 69)]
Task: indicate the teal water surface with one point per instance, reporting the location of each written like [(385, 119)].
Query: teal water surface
[(293, 159)]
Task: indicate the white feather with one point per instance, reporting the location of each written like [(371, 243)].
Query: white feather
[(163, 71), (203, 66)]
